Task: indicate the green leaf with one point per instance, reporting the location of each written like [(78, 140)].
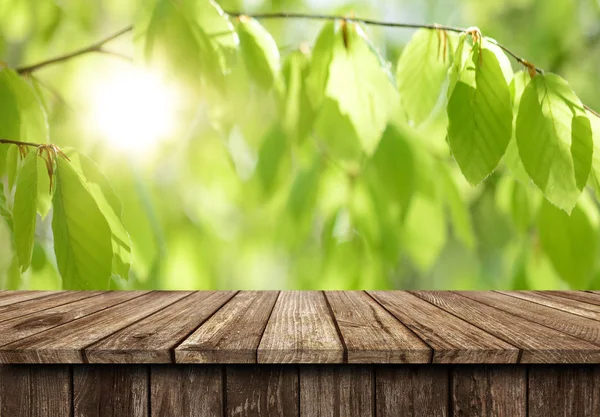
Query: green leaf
[(12, 165), (480, 115), (6, 249), (304, 192), (82, 235), (570, 242), (10, 116), (4, 210), (44, 193), (422, 70), (216, 24), (298, 114), (34, 124), (259, 52), (171, 36), (110, 206), (22, 117), (424, 233), (394, 168), (457, 207), (24, 211), (322, 53), (270, 158), (594, 179), (554, 139), (361, 86)]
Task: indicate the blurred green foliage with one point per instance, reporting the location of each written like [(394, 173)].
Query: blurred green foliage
[(301, 154)]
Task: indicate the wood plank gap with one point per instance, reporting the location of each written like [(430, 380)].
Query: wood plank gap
[(337, 328), (519, 355), (182, 339), (262, 334), (450, 376), (71, 390), (527, 390), (407, 328), (224, 387), (62, 324), (149, 389), (135, 321)]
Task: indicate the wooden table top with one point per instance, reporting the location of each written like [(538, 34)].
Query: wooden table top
[(299, 327)]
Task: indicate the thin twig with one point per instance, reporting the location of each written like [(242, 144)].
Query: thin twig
[(96, 47), (19, 143)]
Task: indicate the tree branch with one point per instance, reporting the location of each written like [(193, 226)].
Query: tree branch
[(96, 47)]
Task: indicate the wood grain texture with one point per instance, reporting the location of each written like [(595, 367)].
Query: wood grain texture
[(539, 344), (301, 330), (482, 391), (186, 390), (110, 390), (371, 334), (453, 340), (22, 327), (65, 343), (14, 297), (411, 391), (261, 390), (152, 340), (35, 305), (577, 326), (345, 390), (564, 391), (560, 301), (233, 334), (34, 391)]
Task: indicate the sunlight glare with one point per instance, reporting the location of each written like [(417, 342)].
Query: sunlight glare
[(133, 109)]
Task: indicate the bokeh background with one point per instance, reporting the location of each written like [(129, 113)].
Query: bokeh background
[(198, 217)]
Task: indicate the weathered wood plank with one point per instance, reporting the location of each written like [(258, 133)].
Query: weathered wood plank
[(35, 391), (232, 334), (14, 297), (371, 334), (153, 339), (577, 326), (559, 301), (453, 340), (110, 390), (539, 344), (186, 390), (22, 327), (411, 391), (564, 391), (35, 305), (261, 390), (343, 390), (301, 330), (482, 391), (65, 343)]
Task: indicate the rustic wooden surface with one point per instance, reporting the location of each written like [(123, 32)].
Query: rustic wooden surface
[(311, 327), (124, 390)]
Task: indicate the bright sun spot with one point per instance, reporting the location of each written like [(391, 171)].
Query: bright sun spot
[(132, 109)]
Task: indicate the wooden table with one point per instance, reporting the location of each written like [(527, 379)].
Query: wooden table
[(371, 353)]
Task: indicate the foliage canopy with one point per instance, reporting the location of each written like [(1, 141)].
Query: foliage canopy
[(326, 166)]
